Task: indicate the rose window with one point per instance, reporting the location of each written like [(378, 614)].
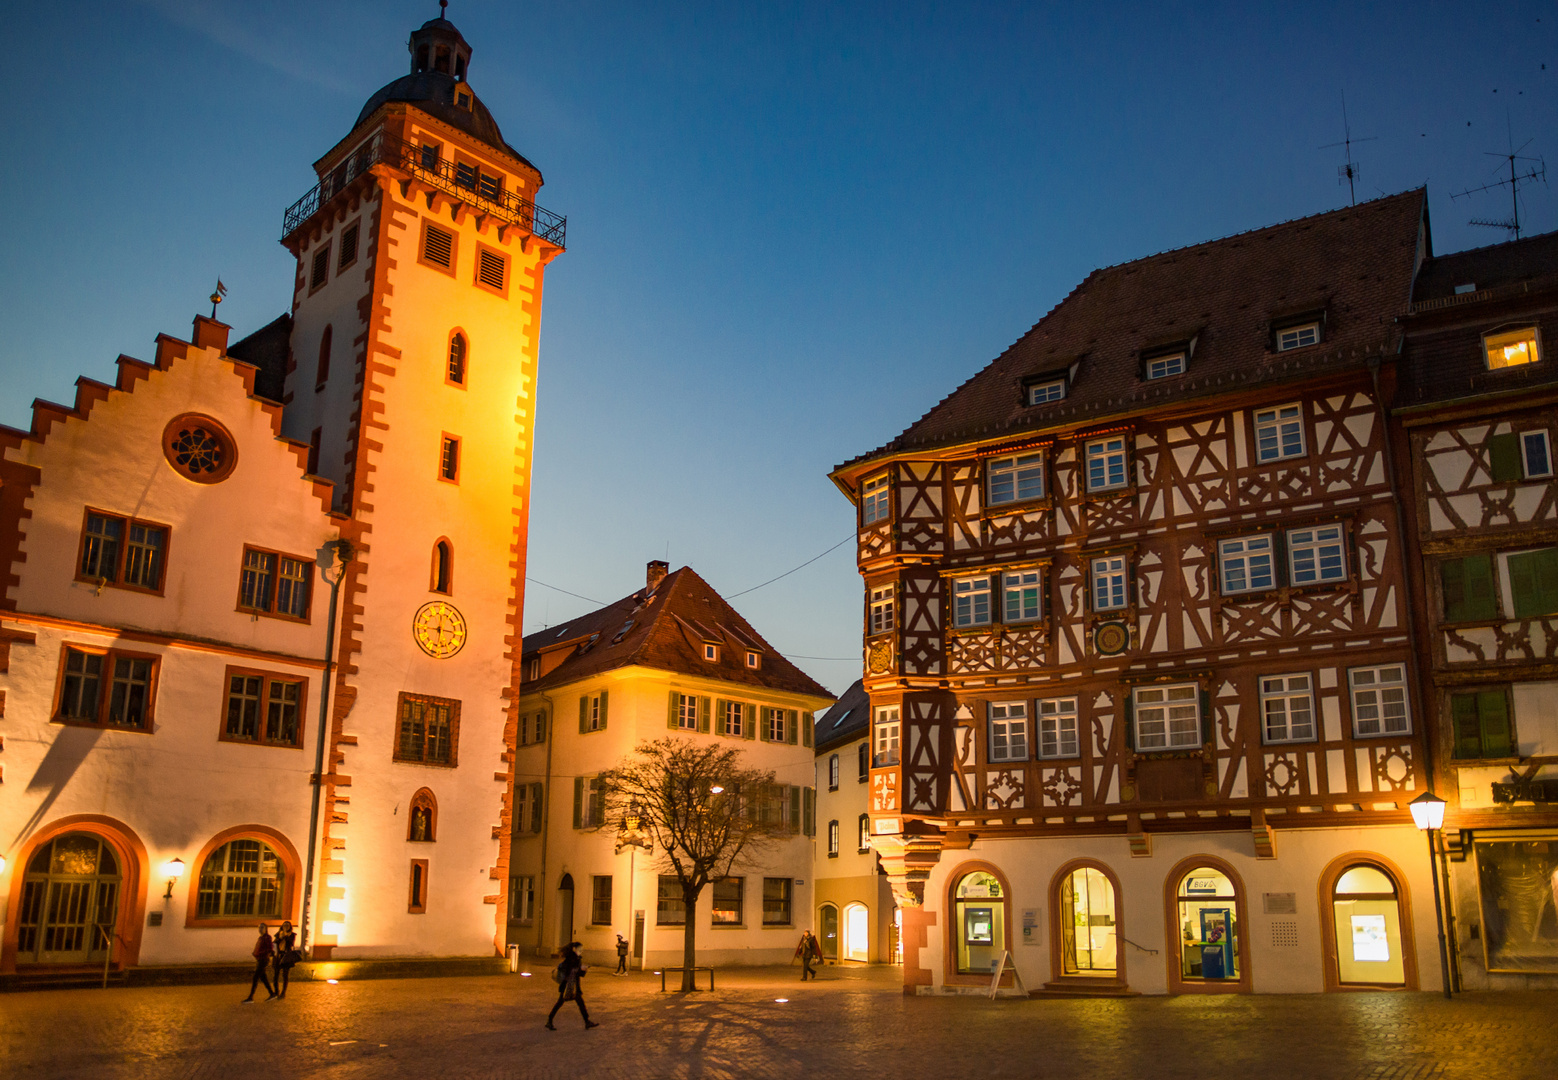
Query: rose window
[(199, 449)]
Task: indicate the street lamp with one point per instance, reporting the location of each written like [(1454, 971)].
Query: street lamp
[(1428, 815), (174, 868)]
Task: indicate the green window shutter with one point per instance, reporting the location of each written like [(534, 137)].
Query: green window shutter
[(1468, 729), (791, 722), (1129, 717), (794, 823), (811, 811), (762, 723), (1533, 582), (1207, 734), (603, 710), (705, 706), (671, 717), (536, 809), (584, 714), (1504, 455), (808, 721), (1493, 711), (578, 802), (717, 720), (1481, 596), (1452, 582), (749, 729)]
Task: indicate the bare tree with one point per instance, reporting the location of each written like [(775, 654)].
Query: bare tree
[(699, 806)]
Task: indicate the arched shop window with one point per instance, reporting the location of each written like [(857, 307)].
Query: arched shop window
[(1367, 915), (242, 879), (1087, 924), (979, 921), (829, 937), (1208, 915)]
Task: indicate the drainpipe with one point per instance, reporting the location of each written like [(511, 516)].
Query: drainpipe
[(546, 826), (342, 552)]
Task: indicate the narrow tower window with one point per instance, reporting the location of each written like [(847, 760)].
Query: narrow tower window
[(457, 360), (443, 567), (449, 460), (322, 372), (313, 451)]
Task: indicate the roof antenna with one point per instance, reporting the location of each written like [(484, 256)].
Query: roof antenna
[(1516, 178), (1348, 172)]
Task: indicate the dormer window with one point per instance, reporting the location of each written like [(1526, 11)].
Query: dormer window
[(1297, 336), (1511, 348), (1045, 391), (754, 659), (1161, 367), (463, 100), (623, 632), (710, 651)]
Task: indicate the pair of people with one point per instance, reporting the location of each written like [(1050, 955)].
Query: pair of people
[(273, 960), (569, 971)]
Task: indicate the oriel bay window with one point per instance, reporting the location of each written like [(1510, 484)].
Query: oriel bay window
[(1019, 478), (882, 614), (263, 708), (429, 730), (122, 552), (875, 500), (272, 583), (1167, 717), (885, 732), (971, 601), (106, 688)]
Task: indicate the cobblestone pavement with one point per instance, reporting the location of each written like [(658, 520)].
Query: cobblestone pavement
[(851, 1022)]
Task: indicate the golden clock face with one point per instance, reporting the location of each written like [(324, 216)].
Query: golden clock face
[(439, 628), (1112, 638)]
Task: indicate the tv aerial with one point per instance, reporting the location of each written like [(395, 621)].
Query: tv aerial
[(1522, 170), (1348, 173)]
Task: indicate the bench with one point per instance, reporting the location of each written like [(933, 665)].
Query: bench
[(695, 971)]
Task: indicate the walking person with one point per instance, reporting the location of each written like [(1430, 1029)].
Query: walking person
[(808, 950), (568, 973), (286, 955), (264, 949), (622, 956)]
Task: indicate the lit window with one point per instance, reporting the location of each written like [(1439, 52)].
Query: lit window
[(886, 737), (1316, 555), (1109, 591), (864, 828), (1297, 337), (241, 879), (729, 894), (1535, 454), (263, 709), (1106, 464), (1058, 728), (1022, 596), (1015, 479), (1009, 731), (1052, 390), (1513, 348), (1168, 717), (874, 500), (429, 730), (1246, 564), (1379, 700), (1279, 433), (971, 601), (1161, 367), (882, 616), (1287, 708)]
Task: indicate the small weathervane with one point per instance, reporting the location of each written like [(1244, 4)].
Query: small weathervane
[(216, 296)]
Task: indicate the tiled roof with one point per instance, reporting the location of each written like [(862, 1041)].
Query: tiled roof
[(1487, 268), (848, 719), (1355, 265), (666, 630), (267, 349)]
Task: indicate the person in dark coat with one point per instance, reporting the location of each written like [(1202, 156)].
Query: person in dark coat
[(569, 971), (264, 949), (622, 956), (808, 950), (286, 940)]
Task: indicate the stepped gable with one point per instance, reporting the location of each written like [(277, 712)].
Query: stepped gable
[(1355, 265), (269, 349), (1514, 283), (847, 720), (667, 631)]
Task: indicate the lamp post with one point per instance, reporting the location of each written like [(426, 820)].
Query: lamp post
[(1428, 815)]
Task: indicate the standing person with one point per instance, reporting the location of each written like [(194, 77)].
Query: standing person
[(286, 942), (264, 949), (808, 950), (622, 956), (569, 971)]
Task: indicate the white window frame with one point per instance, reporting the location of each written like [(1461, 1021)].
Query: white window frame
[(1165, 365), (522, 899), (1284, 427), (774, 718), (875, 499), (883, 609), (734, 719), (863, 826), (1161, 719), (1371, 703), (1313, 545), (1528, 334), (1042, 393), (1541, 438), (1107, 464), (886, 731), (1019, 586), (754, 659), (1023, 472), (967, 594), (1008, 731), (1293, 337), (711, 652), (1287, 708), (592, 717), (833, 773), (686, 712), (1243, 556), (833, 839), (1057, 724), (1110, 582)]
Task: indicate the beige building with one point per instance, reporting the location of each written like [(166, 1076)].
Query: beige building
[(856, 916), (671, 658)]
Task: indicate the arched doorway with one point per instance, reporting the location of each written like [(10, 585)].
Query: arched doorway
[(1085, 898), (70, 901), (857, 932), (1367, 926), (828, 935), (981, 912), (1207, 923), (565, 910)]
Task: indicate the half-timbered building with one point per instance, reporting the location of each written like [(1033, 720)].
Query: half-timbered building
[(1478, 405), (1137, 636)]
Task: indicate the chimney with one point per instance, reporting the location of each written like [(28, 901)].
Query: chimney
[(654, 574)]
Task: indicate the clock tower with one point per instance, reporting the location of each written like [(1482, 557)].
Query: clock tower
[(412, 378)]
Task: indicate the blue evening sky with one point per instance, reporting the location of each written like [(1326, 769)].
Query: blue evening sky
[(792, 228)]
